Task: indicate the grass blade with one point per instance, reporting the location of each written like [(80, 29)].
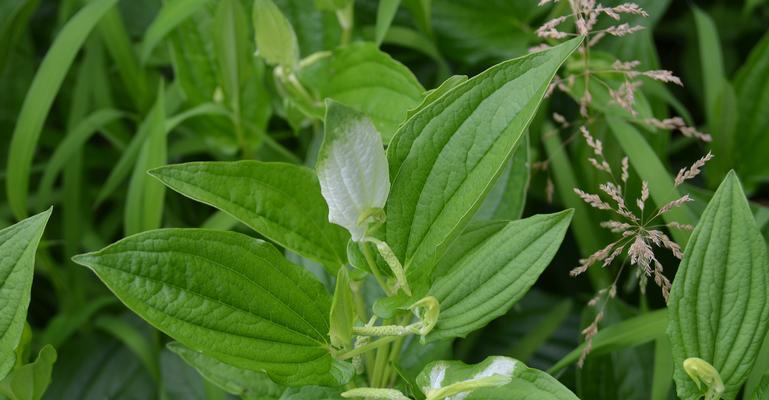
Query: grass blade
[(40, 97), (170, 16)]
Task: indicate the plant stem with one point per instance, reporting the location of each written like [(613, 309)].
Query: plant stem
[(367, 347)]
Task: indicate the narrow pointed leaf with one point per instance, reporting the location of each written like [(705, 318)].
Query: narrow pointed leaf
[(444, 159), (496, 274), (280, 201), (719, 308), (171, 15), (230, 296), (39, 100), (18, 244)]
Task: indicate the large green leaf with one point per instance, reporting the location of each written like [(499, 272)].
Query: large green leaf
[(496, 274), (230, 296), (345, 75), (280, 201), (493, 378), (507, 198), (39, 100), (752, 90), (719, 309), (444, 159), (18, 244)]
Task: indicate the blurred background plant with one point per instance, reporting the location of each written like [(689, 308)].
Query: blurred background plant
[(95, 93)]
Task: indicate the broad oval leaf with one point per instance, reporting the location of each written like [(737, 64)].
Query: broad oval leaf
[(18, 244), (444, 159), (493, 378), (496, 274), (280, 201), (719, 309), (352, 168), (228, 295), (345, 75)]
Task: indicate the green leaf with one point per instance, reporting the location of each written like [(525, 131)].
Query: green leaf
[(718, 304), (30, 381), (144, 200), (237, 381), (629, 333), (710, 58), (281, 201), (384, 18), (345, 76), (752, 89), (507, 198), (39, 99), (434, 94), (352, 169), (230, 296), (445, 158), (493, 378), (473, 236), (496, 274), (342, 313), (172, 14), (275, 38), (18, 244)]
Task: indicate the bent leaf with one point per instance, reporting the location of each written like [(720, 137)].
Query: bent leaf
[(30, 381), (280, 201), (718, 304), (230, 296), (345, 75), (444, 159), (18, 244), (237, 381), (496, 274), (275, 38), (352, 169)]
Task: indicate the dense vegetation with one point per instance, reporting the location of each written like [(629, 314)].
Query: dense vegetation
[(384, 199)]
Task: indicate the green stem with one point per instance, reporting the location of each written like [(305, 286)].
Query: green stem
[(367, 347), (374, 269)]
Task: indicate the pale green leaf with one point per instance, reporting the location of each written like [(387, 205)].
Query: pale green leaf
[(39, 99), (496, 274), (30, 381), (494, 378), (230, 296), (444, 159), (719, 310), (352, 169), (275, 38), (345, 75), (281, 201), (237, 381), (18, 244)]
